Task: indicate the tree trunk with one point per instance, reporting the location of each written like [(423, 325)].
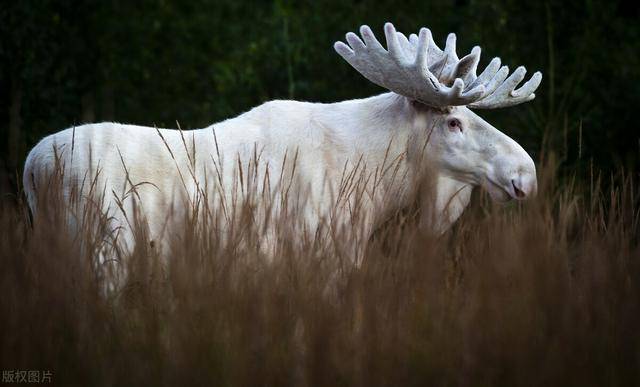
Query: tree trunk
[(14, 143)]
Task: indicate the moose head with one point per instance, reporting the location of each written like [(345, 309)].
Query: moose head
[(462, 145)]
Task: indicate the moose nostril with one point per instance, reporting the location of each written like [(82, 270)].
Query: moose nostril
[(519, 193)]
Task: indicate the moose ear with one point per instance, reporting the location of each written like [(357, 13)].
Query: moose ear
[(466, 67)]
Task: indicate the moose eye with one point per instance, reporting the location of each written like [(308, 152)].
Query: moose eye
[(454, 124)]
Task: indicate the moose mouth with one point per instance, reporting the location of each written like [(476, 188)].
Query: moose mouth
[(497, 192)]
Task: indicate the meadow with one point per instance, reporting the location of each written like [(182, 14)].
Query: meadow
[(543, 292)]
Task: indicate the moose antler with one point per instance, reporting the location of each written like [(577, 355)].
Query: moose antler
[(418, 69)]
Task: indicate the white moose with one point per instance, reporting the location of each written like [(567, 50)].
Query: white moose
[(386, 141)]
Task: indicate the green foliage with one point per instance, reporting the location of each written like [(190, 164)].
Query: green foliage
[(155, 62)]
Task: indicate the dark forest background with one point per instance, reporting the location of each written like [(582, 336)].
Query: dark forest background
[(196, 62)]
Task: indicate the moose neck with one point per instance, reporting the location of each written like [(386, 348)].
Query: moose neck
[(374, 127), (389, 126)]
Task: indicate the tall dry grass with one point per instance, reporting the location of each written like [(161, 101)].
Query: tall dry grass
[(541, 293)]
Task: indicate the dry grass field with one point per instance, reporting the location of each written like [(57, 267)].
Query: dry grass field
[(545, 292)]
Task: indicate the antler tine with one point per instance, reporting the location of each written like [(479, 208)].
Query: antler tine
[(505, 94), (423, 42), (472, 65), (404, 41), (432, 48), (393, 45)]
